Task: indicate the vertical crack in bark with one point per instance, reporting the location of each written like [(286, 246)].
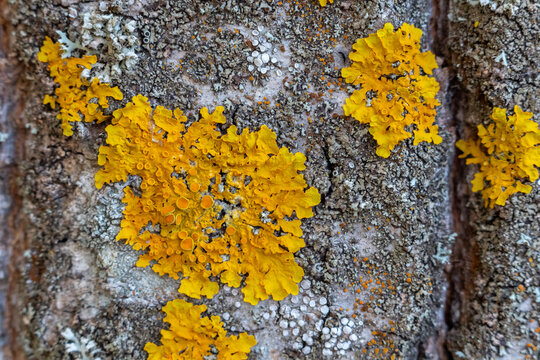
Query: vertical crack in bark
[(458, 269), (458, 272), (12, 240), (464, 258), (457, 257), (330, 166)]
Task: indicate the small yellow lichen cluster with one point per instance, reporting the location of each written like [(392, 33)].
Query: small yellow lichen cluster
[(508, 150), (396, 94), (324, 2), (75, 95), (225, 204), (190, 336)]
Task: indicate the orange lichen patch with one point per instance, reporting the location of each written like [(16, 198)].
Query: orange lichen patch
[(182, 203), (210, 182), (167, 209), (508, 151), (371, 290), (193, 337), (396, 90), (75, 95), (187, 244), (207, 202), (169, 219)]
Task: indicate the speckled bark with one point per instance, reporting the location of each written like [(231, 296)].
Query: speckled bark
[(400, 213), (495, 64)]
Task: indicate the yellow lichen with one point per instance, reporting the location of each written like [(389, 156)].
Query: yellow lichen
[(191, 337), (508, 150), (396, 95), (324, 2), (75, 95), (225, 203), (221, 205)]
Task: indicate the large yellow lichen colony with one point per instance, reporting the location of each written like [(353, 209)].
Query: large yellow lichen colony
[(222, 205), (205, 204), (324, 2), (75, 95), (191, 337), (226, 205), (507, 150), (396, 95)]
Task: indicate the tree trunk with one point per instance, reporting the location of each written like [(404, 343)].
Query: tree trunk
[(465, 277)]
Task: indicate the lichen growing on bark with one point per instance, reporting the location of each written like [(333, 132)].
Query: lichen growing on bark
[(191, 336), (507, 150), (75, 95), (396, 91), (226, 204)]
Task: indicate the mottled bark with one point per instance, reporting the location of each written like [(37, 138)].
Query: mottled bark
[(456, 265)]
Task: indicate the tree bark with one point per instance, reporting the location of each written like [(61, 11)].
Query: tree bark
[(410, 220)]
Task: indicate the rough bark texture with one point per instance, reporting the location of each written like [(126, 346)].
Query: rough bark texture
[(495, 64), (412, 216)]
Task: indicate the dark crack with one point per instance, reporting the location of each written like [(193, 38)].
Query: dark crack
[(440, 34), (330, 168)]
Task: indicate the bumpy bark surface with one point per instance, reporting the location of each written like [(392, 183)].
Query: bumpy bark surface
[(455, 265), (495, 309)]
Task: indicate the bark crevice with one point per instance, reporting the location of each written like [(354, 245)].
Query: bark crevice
[(12, 240), (458, 270)]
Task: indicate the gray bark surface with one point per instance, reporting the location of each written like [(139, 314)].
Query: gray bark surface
[(412, 215)]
